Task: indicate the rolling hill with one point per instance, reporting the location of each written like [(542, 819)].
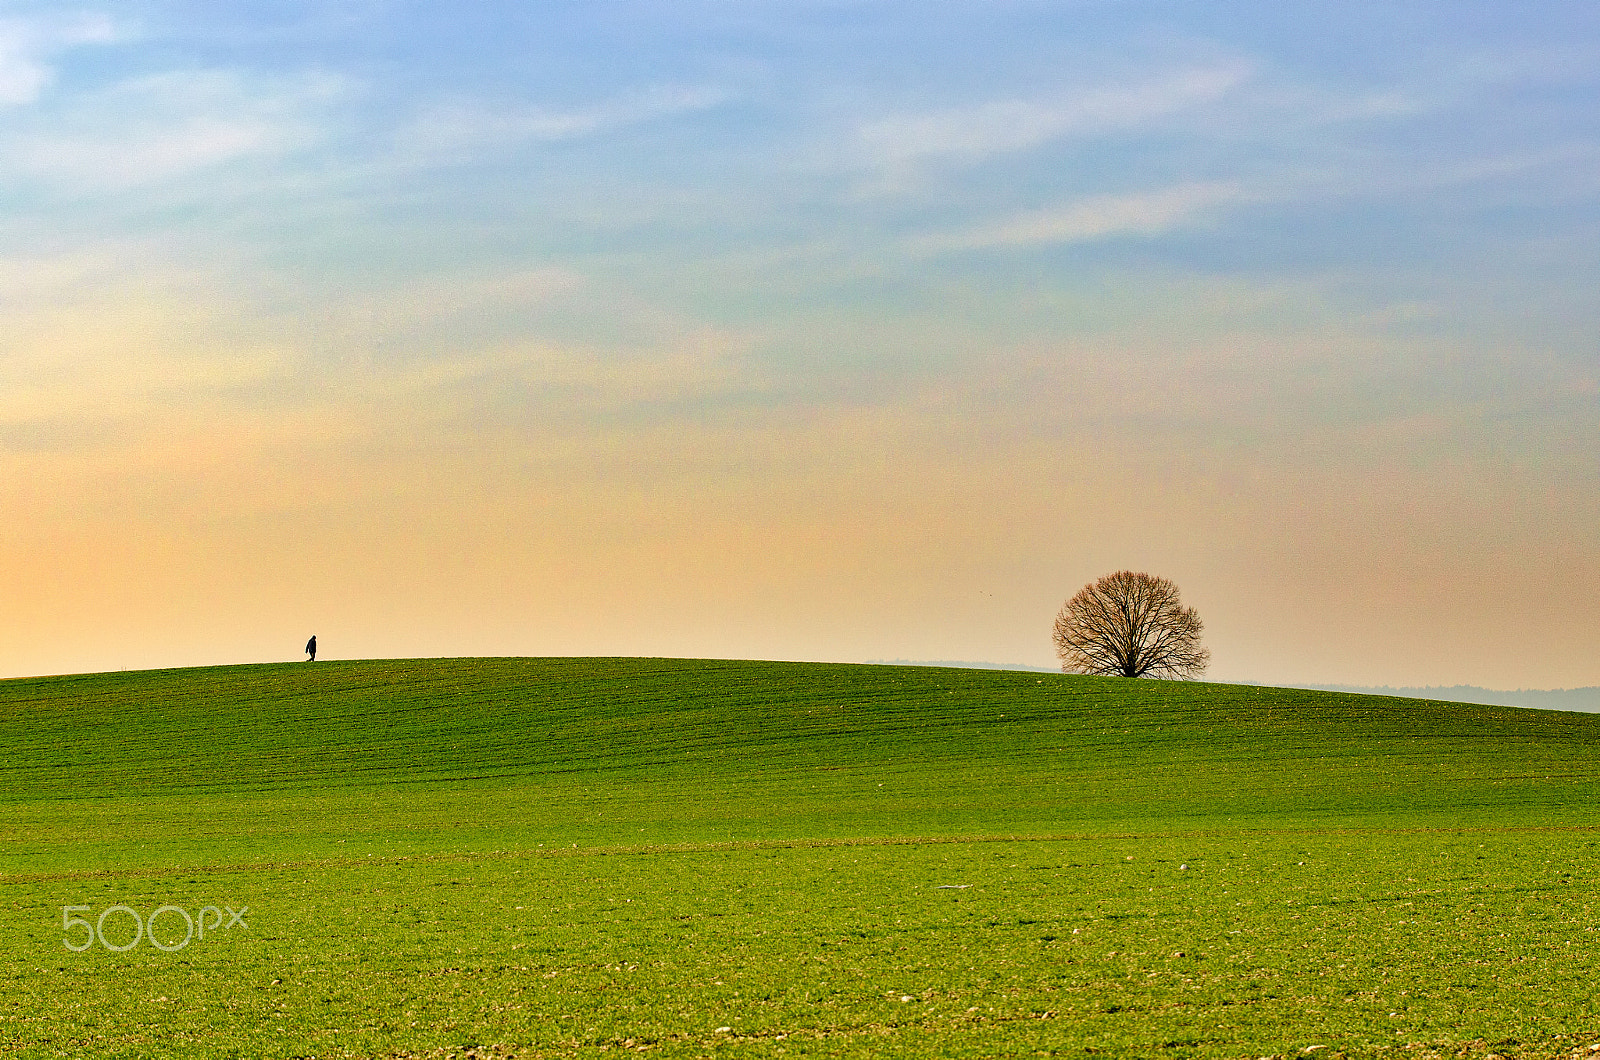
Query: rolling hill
[(537, 857)]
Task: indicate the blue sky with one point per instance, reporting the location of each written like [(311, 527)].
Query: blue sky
[(801, 330)]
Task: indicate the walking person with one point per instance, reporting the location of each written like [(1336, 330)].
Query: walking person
[(311, 648)]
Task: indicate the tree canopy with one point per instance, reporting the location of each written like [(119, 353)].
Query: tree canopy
[(1130, 624)]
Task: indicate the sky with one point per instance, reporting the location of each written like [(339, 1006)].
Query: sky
[(794, 329)]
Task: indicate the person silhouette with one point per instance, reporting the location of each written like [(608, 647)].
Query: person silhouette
[(311, 649)]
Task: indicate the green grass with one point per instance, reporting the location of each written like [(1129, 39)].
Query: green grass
[(591, 856)]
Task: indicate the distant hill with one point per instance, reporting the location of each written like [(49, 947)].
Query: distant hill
[(1586, 699)]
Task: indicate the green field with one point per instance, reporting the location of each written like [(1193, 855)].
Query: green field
[(546, 857)]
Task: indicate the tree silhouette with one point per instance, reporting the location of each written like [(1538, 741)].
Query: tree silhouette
[(1130, 624)]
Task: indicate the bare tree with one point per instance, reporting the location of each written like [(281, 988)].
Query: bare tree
[(1130, 625)]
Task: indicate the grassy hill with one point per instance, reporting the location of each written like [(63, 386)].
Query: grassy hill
[(795, 746), (1029, 843)]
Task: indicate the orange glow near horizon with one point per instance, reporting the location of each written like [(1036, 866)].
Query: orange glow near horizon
[(395, 517)]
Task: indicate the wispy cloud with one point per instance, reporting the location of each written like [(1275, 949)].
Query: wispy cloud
[(1095, 217), (976, 132), (168, 125), (28, 45), (461, 130)]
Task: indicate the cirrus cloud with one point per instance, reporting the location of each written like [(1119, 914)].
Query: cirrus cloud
[(28, 45), (461, 130), (168, 125), (1095, 217), (975, 132)]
